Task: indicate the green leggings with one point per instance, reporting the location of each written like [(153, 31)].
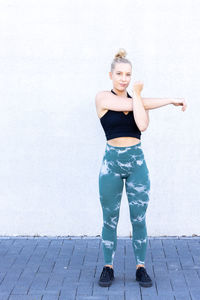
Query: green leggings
[(121, 163)]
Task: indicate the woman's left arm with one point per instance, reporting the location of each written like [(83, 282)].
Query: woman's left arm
[(141, 114), (151, 103)]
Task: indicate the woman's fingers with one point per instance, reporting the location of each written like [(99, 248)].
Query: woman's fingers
[(138, 86), (184, 105), (182, 102)]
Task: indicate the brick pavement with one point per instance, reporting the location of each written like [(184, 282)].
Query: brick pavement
[(68, 268)]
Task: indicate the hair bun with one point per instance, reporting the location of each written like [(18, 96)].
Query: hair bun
[(121, 53)]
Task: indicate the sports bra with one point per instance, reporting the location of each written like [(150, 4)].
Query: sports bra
[(117, 124)]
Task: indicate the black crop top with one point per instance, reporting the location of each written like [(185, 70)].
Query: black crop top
[(117, 124)]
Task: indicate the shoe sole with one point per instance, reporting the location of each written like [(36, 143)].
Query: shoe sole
[(106, 284), (145, 284)]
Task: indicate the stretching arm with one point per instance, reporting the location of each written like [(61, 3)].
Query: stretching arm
[(152, 103), (107, 100), (141, 116)]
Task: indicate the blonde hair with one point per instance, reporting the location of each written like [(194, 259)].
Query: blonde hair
[(120, 58)]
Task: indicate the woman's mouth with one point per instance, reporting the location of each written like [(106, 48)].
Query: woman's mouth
[(122, 84)]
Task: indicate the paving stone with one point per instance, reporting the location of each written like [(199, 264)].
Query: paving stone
[(92, 298), (25, 297), (163, 297), (4, 296), (195, 293), (69, 269)]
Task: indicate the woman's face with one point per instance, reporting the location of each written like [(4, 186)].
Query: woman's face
[(121, 76)]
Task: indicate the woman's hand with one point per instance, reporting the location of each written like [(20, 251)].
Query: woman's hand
[(180, 101), (137, 87)]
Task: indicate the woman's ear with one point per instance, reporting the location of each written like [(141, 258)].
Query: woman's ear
[(110, 75)]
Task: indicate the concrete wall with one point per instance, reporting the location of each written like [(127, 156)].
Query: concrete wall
[(54, 57)]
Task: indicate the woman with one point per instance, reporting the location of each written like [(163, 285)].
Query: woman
[(123, 118)]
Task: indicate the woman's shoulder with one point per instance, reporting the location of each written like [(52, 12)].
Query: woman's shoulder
[(101, 94), (100, 110)]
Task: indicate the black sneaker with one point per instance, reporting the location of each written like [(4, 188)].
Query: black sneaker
[(143, 277), (107, 275)]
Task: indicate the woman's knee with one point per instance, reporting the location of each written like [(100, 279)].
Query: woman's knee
[(138, 224)]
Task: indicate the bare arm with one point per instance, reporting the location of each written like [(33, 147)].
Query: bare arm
[(141, 116), (151, 103), (108, 100)]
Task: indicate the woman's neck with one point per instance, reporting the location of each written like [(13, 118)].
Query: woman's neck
[(120, 93)]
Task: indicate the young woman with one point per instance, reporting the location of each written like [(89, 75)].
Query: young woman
[(123, 118)]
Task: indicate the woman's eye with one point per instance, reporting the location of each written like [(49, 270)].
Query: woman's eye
[(127, 74)]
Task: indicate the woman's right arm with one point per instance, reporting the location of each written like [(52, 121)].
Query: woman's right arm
[(107, 100)]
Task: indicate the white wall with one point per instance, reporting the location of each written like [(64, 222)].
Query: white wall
[(54, 57)]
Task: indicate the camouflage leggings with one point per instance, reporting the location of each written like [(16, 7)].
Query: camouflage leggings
[(121, 163)]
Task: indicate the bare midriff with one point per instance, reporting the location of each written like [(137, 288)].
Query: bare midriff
[(124, 141)]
